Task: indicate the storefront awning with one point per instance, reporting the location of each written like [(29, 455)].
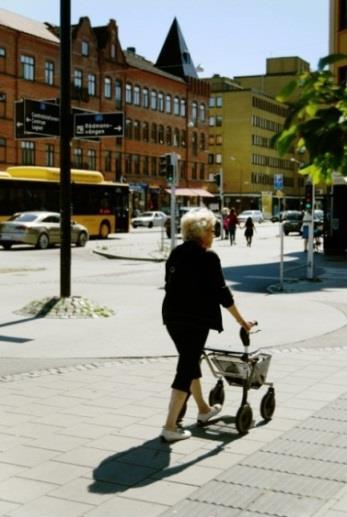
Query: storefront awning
[(191, 192)]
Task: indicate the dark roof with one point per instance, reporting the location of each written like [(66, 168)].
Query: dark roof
[(137, 61), (174, 56)]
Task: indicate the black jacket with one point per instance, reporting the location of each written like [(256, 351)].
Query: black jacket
[(195, 288)]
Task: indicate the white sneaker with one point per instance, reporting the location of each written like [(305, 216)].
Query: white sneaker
[(205, 417), (174, 436)]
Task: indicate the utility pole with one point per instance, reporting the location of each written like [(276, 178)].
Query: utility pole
[(65, 139)]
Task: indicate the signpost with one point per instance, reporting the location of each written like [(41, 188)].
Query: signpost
[(36, 119), (98, 124)]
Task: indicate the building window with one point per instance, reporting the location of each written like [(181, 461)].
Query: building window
[(168, 105), (78, 158), (129, 128), (183, 107), (118, 167), (137, 164), (145, 166), (85, 48), (195, 143), (107, 88), (154, 133), (118, 94), (27, 68), (161, 101), (212, 102), (168, 136), (176, 106), (176, 138), (154, 100), (92, 85), (145, 131), (219, 121), (28, 152), (202, 171), (128, 93), (2, 104), (137, 95), (194, 171), (210, 158), (219, 102), (154, 166), (211, 139), (212, 121), (49, 155), (202, 113), (145, 98), (78, 78), (342, 23), (218, 158), (184, 138), (161, 134), (108, 161), (2, 149), (49, 72), (128, 164), (137, 130), (2, 52), (91, 155), (113, 51), (194, 112), (219, 139)]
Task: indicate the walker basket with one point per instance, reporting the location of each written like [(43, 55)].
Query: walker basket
[(236, 370)]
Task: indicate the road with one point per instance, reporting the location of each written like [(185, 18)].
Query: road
[(134, 290)]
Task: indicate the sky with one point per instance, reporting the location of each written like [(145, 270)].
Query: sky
[(226, 37)]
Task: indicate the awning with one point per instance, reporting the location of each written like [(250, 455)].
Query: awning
[(191, 192)]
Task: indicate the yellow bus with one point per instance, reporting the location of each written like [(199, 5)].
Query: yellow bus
[(102, 206)]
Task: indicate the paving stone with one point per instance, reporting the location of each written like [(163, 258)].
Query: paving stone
[(51, 507), (285, 505), (26, 456), (226, 494), (6, 507), (122, 506), (196, 509), (160, 492), (113, 471), (54, 472), (19, 490), (84, 490)]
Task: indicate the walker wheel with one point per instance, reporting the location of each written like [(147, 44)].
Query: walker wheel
[(217, 394), (244, 418), (268, 404)]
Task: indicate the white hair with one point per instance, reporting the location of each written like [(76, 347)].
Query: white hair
[(196, 223)]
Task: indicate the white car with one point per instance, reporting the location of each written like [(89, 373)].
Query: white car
[(149, 219), (256, 215)]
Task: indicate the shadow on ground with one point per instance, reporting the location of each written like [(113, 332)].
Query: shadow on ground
[(256, 278), (151, 461)]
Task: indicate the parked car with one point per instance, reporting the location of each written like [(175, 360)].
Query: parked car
[(184, 210), (149, 219), (257, 216), (39, 229), (292, 221)]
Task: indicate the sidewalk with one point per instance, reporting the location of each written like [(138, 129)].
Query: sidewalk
[(83, 440)]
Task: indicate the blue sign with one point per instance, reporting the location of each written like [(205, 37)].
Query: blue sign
[(278, 181)]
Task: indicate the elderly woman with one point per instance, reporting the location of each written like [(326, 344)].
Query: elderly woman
[(195, 289)]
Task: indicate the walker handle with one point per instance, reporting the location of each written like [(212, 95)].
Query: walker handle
[(244, 335)]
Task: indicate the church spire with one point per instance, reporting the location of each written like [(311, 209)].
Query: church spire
[(174, 56)]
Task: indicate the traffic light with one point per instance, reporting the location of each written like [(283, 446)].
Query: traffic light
[(217, 178), (164, 162), (308, 196), (166, 167)]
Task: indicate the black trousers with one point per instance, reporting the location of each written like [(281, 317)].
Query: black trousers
[(189, 343)]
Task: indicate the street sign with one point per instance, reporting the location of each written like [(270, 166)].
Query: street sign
[(98, 124), (278, 181), (36, 118)]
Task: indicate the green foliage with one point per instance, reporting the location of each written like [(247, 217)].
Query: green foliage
[(316, 122)]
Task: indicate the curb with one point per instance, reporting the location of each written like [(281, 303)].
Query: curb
[(127, 257)]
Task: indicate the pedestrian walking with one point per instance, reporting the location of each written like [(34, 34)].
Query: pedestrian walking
[(195, 289), (249, 230), (233, 221)]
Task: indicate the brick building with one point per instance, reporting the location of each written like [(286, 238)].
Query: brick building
[(164, 104)]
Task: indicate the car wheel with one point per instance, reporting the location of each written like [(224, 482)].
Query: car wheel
[(150, 224), (6, 245), (104, 230), (134, 225), (286, 232), (82, 239), (42, 241)]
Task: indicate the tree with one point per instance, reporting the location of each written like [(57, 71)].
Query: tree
[(317, 122)]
